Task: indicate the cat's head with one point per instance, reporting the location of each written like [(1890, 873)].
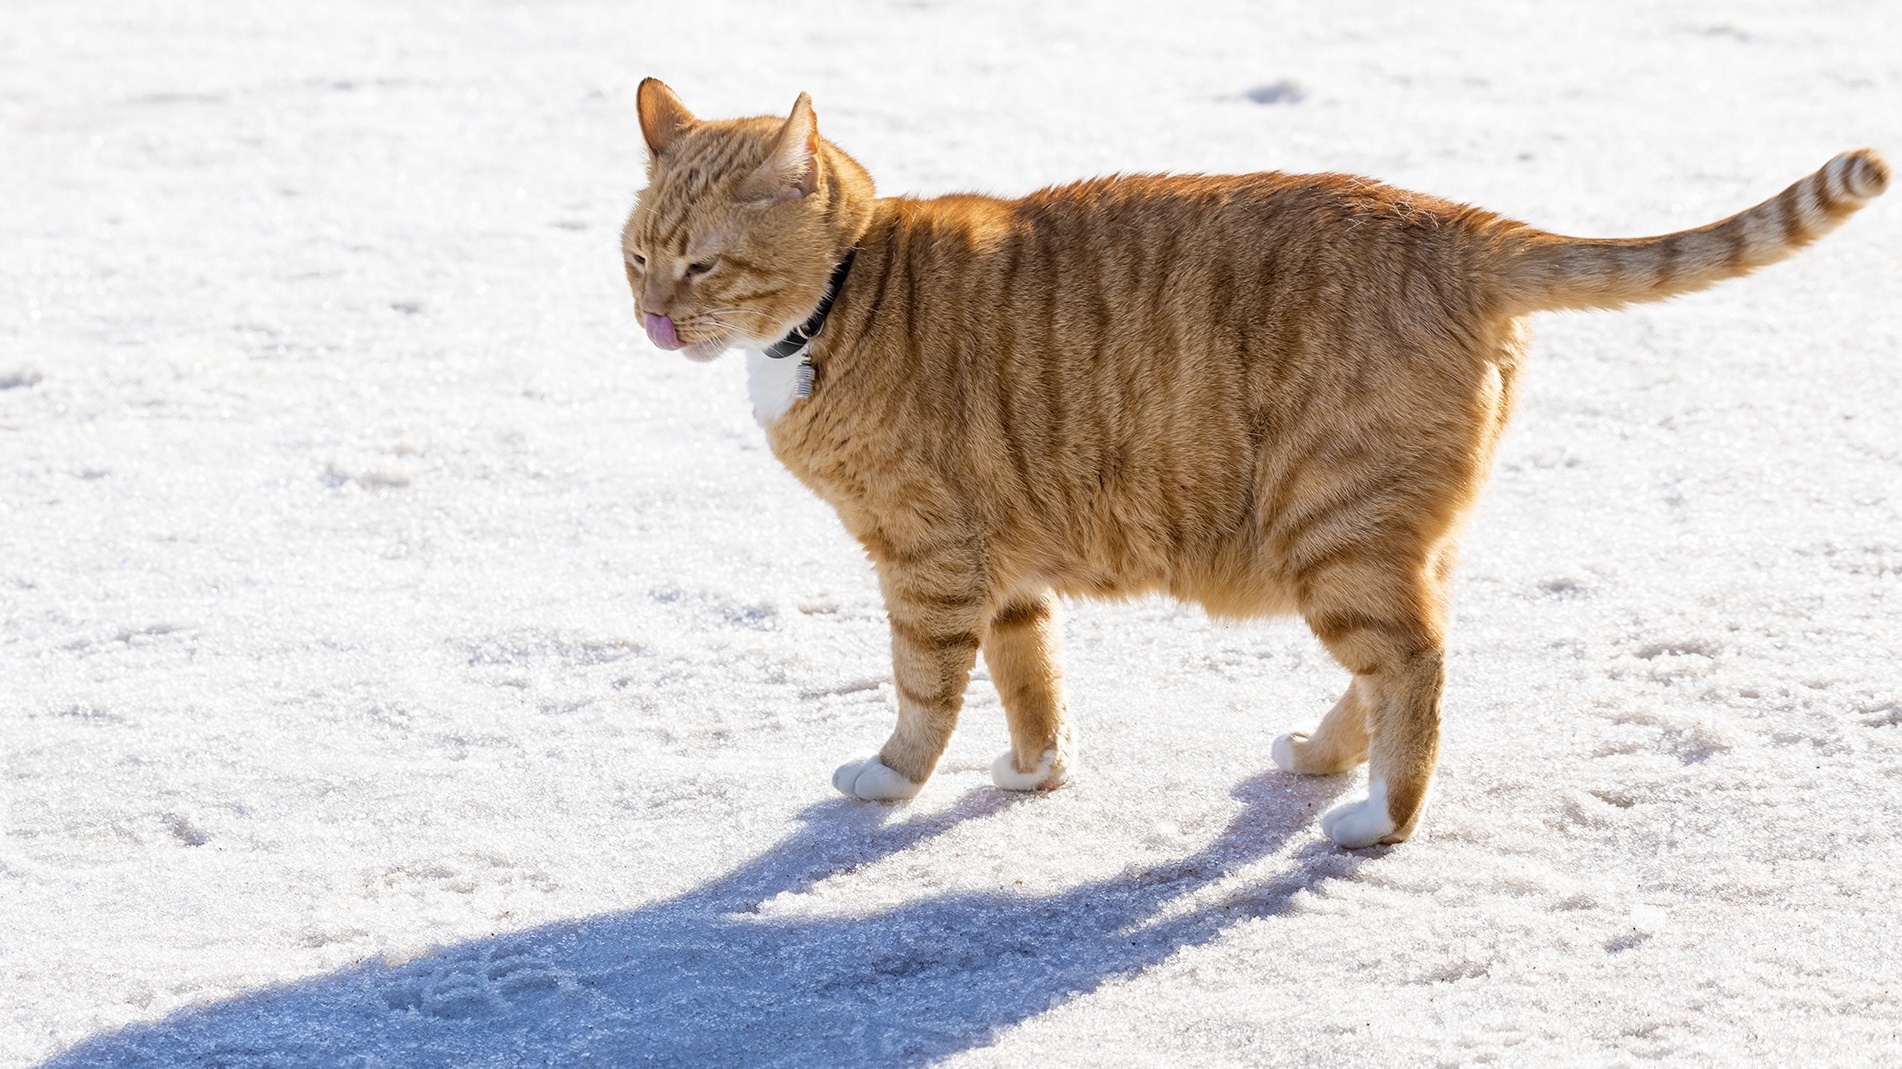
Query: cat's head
[(734, 238)]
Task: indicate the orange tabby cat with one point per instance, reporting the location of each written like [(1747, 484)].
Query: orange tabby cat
[(1264, 393)]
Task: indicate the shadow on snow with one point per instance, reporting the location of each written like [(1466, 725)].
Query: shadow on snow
[(710, 978)]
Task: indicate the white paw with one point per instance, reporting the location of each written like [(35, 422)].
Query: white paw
[(1283, 751), (1361, 823), (1042, 778), (871, 780)]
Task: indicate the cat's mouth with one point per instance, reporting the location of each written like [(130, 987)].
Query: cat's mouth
[(661, 331)]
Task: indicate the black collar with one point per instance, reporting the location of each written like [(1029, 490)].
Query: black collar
[(803, 334)]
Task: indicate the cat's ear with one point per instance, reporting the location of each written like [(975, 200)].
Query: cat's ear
[(791, 170), (663, 116)]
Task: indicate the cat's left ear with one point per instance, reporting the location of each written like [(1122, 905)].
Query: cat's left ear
[(663, 116), (791, 170)]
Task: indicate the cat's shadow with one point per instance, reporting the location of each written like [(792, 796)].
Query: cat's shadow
[(712, 978)]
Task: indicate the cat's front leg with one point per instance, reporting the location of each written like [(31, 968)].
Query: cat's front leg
[(1020, 648), (936, 617)]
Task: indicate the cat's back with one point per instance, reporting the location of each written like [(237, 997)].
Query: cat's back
[(1266, 218), (1172, 264), (1115, 304)]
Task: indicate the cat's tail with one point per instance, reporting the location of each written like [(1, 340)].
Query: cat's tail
[(1537, 270)]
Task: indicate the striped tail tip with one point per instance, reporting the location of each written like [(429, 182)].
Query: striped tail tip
[(1859, 176)]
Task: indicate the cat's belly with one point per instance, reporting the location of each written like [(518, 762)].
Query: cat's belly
[(1230, 577)]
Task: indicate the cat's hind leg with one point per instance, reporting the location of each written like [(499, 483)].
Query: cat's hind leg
[(1385, 625), (1402, 754), (1020, 648), (936, 621), (1337, 744)]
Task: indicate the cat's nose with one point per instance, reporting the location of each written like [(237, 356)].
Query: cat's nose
[(660, 331)]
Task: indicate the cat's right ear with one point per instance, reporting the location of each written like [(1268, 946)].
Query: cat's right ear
[(791, 170), (663, 116)]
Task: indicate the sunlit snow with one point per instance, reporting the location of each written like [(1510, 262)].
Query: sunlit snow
[(404, 664)]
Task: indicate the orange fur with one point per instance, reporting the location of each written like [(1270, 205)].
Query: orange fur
[(1263, 393)]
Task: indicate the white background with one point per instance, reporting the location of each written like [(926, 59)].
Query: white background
[(402, 663)]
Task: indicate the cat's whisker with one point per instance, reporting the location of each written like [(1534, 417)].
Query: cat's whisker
[(717, 320), (755, 313)]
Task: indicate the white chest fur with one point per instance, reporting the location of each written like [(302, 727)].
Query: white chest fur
[(772, 384)]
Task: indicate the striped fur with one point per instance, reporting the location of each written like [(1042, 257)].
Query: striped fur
[(1537, 271), (1263, 393)]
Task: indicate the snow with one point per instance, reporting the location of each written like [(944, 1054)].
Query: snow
[(405, 664)]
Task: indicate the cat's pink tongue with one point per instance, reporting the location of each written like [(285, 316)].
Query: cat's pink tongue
[(660, 331)]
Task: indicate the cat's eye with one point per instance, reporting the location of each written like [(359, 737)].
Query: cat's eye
[(638, 261), (700, 268)]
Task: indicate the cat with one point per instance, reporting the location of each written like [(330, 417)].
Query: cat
[(1262, 393)]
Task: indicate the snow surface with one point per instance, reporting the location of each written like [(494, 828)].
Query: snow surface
[(404, 664)]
